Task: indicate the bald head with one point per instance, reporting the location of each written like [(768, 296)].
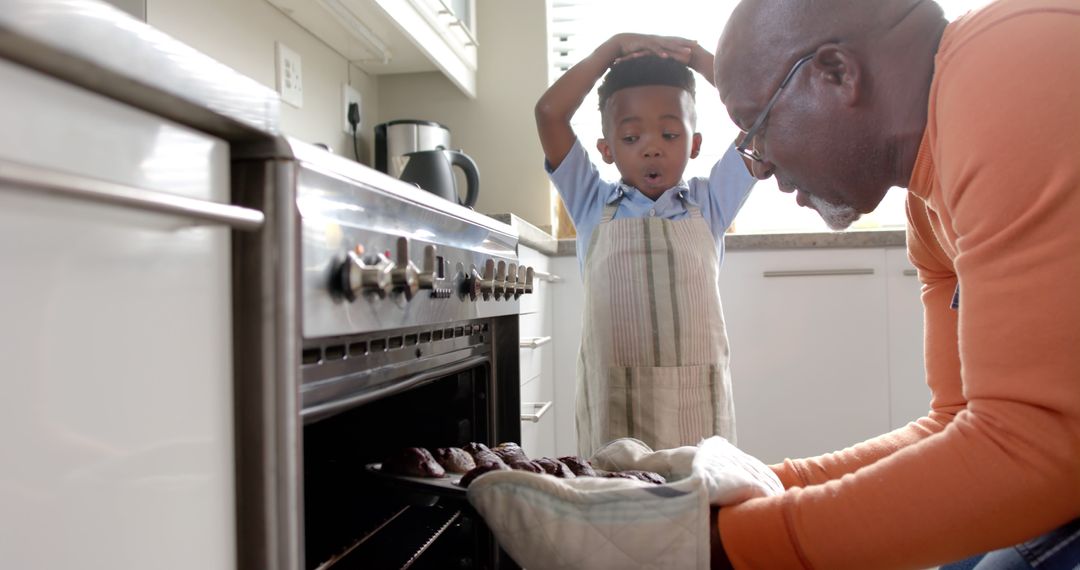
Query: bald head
[(766, 33), (847, 123)]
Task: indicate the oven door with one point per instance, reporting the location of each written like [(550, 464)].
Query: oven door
[(406, 388)]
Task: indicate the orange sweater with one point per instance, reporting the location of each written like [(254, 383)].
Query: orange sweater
[(994, 205)]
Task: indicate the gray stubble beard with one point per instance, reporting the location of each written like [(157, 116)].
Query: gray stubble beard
[(837, 216)]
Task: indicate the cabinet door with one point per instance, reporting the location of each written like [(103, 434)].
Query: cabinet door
[(807, 331), (568, 300), (909, 396), (537, 359), (116, 423)]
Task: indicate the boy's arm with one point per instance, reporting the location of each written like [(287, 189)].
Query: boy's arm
[(559, 103)]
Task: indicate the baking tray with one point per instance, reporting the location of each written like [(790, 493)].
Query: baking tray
[(419, 488)]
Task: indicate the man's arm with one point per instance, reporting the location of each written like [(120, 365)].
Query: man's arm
[(701, 61), (559, 103)]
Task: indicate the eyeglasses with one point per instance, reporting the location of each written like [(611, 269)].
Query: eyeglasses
[(745, 146)]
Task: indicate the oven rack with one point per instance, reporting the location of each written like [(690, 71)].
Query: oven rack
[(401, 541)]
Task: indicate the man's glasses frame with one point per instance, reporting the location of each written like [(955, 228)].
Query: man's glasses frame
[(746, 144)]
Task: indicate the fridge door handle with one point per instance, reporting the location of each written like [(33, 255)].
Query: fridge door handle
[(93, 190)]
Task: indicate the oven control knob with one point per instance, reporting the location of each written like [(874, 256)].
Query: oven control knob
[(511, 281), (499, 285), (357, 275), (519, 284), (431, 276), (471, 284), (529, 274), (404, 275), (487, 280)]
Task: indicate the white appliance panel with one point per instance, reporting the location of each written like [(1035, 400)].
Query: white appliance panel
[(116, 425)]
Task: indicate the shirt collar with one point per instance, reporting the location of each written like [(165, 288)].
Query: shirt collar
[(680, 190)]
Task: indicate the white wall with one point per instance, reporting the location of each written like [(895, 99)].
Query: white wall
[(496, 129), (137, 8), (241, 34)]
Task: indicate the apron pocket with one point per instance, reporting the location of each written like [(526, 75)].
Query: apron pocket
[(668, 406)]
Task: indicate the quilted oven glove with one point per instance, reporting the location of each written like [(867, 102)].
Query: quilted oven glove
[(598, 523)]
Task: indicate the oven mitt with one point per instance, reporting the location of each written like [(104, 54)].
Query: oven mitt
[(597, 523)]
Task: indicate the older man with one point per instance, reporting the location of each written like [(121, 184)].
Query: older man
[(980, 120)]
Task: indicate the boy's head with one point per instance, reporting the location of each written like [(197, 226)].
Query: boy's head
[(647, 110)]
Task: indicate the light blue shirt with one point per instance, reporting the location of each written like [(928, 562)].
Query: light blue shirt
[(720, 196)]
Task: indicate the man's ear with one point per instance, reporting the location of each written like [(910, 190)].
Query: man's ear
[(839, 68), (605, 150), (695, 148)]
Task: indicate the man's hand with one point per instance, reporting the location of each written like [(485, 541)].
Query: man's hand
[(588, 523)]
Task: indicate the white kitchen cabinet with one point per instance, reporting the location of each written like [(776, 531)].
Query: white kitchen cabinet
[(536, 354), (809, 363), (396, 36), (116, 424), (826, 347), (909, 396), (568, 301)]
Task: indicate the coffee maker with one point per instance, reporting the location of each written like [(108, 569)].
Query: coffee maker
[(419, 152), (395, 139)]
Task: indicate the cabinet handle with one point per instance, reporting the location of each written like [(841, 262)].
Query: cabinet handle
[(536, 342), (457, 22), (100, 191), (818, 272), (910, 273), (539, 409), (549, 277)]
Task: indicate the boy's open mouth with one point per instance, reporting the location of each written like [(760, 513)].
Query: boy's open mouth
[(652, 176)]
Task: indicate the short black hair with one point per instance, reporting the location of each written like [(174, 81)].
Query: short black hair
[(645, 70)]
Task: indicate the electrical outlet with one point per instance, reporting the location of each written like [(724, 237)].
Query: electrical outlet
[(349, 95), (290, 77)]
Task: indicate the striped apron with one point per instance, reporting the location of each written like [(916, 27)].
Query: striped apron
[(654, 351)]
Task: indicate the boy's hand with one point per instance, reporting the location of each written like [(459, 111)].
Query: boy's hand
[(635, 45), (556, 107), (686, 52)]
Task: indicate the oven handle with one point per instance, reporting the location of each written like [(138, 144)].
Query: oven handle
[(331, 408), (540, 408), (536, 342), (93, 190)]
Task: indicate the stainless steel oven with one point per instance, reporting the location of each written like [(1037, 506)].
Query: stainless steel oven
[(370, 316)]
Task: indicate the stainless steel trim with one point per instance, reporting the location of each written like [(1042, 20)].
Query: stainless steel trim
[(541, 409), (100, 48), (331, 408), (266, 324), (818, 272), (535, 342), (549, 277), (372, 180), (910, 273), (93, 190)]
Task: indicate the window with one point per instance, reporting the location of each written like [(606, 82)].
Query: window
[(578, 26)]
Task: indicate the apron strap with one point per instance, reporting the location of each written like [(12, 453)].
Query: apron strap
[(609, 210), (692, 210)]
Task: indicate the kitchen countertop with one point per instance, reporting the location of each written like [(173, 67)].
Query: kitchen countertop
[(96, 46), (538, 239)]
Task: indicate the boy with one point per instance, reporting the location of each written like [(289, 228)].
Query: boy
[(654, 355)]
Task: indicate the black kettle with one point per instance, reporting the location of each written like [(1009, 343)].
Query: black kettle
[(433, 171)]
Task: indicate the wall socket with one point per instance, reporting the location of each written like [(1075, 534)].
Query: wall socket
[(349, 95), (290, 77)]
